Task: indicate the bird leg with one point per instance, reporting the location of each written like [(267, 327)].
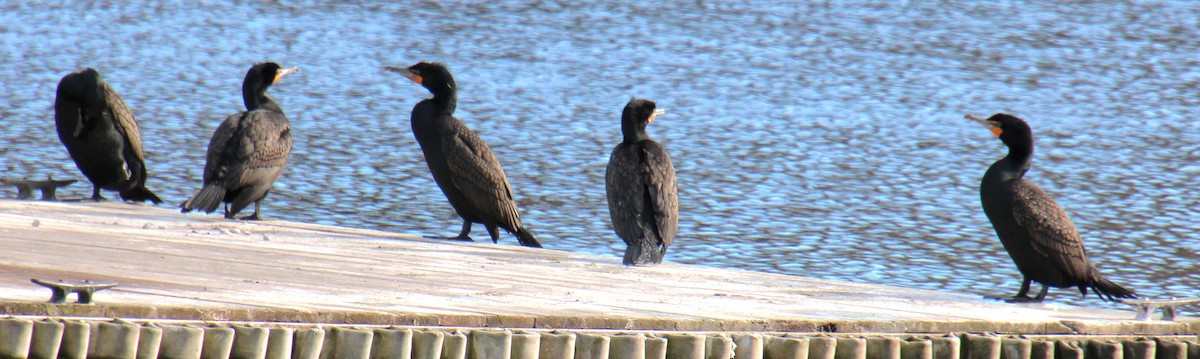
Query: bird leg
[(1023, 294), (462, 235), (96, 194), (256, 216)]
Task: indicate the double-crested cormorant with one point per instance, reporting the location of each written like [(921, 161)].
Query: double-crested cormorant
[(248, 151), (102, 136), (1034, 230), (642, 196), (462, 164)]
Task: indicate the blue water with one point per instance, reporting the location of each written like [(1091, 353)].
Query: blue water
[(810, 139)]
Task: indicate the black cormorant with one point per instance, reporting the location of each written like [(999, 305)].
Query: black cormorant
[(642, 196), (1036, 232), (461, 163), (248, 151), (102, 136)]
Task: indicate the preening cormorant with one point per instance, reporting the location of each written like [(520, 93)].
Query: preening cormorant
[(642, 195), (102, 136), (248, 151), (1036, 232), (461, 163)]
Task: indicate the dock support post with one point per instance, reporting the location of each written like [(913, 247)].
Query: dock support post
[(718, 347), (627, 346), (1104, 350), (454, 345), (946, 347), (427, 344), (794, 348), (1015, 348), (490, 344), (1068, 349), (917, 348), (218, 342), (526, 345), (183, 342), (392, 342), (308, 343), (76, 335), (1139, 349), (982, 346), (115, 339), (591, 346), (556, 346), (851, 348), (656, 348), (1166, 349), (16, 335), (249, 342), (883, 348), (348, 343), (685, 346), (149, 341), (748, 346), (47, 335), (279, 343)]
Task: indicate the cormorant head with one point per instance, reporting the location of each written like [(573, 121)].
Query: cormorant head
[(637, 114), (1010, 129), (434, 76), (82, 88), (260, 77)]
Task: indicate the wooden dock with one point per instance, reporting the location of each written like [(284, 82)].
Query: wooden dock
[(205, 268)]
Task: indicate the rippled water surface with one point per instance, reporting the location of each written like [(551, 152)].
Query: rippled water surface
[(817, 140)]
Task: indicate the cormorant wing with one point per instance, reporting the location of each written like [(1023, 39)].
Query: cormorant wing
[(626, 189), (662, 192), (476, 172), (124, 123), (248, 147), (1052, 233)]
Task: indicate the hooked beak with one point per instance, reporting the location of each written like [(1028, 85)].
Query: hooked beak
[(995, 128), (285, 72), (406, 73), (654, 116)]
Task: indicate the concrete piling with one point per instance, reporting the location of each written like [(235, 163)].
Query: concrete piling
[(851, 348), (16, 335), (627, 346), (591, 346), (1069, 349), (149, 341), (249, 342), (427, 344), (1104, 350), (917, 348), (308, 343), (116, 339), (525, 345), (180, 342), (280, 341), (1015, 348), (685, 346), (556, 346), (946, 347), (822, 347), (983, 346), (76, 335), (1171, 349), (883, 348), (489, 344), (788, 348), (748, 346), (47, 335), (718, 347), (392, 342), (656, 347), (454, 345), (218, 342)]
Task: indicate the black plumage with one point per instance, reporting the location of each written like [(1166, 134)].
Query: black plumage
[(643, 198), (461, 163), (1036, 232), (102, 136), (248, 151)]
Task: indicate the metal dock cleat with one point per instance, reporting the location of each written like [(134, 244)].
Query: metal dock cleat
[(60, 289), (25, 187), (1145, 307)]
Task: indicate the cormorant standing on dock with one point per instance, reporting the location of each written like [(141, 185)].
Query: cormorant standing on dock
[(461, 163), (102, 136), (1036, 232), (248, 151), (642, 195)]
